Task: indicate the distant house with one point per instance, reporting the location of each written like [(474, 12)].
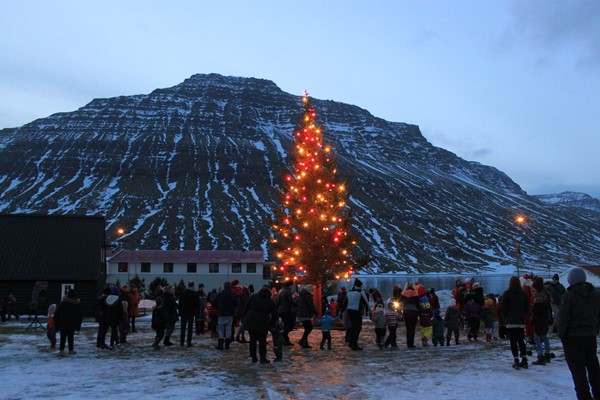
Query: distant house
[(66, 252), (592, 273), (212, 268)]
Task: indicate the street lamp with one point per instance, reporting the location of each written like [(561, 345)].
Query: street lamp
[(520, 221)]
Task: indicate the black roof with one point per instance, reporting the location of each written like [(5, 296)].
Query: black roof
[(51, 247)]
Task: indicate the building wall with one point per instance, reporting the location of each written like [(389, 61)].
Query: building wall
[(202, 274), (22, 290)]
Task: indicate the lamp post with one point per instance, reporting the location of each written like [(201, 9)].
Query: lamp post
[(121, 233), (520, 221)]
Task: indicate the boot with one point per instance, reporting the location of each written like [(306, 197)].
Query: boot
[(524, 363), (488, 337), (549, 356), (264, 360), (61, 353), (167, 341), (227, 343), (516, 364), (72, 352), (541, 360), (448, 342), (220, 344)]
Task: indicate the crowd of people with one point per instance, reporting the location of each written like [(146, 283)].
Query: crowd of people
[(525, 314)]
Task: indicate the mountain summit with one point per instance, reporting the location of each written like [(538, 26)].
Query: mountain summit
[(196, 166)]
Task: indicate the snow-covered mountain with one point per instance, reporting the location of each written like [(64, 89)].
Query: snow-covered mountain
[(195, 166), (571, 199)]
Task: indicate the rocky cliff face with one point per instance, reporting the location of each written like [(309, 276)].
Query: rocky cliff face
[(196, 166)]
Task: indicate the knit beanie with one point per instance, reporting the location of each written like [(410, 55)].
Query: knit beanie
[(576, 275)]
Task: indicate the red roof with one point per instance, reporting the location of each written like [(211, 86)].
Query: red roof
[(188, 256), (594, 269)]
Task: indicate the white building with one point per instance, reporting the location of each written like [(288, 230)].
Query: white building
[(212, 268)]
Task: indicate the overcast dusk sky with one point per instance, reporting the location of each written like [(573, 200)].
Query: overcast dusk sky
[(511, 84)]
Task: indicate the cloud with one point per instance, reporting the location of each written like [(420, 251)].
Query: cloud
[(550, 28)]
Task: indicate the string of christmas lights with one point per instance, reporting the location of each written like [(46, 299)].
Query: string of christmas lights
[(312, 238)]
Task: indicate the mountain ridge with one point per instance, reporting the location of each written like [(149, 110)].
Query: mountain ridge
[(195, 166)]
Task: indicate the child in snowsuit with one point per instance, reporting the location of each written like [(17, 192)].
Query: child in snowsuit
[(452, 322), (488, 318), (425, 321), (326, 322), (438, 328), (391, 317), (380, 323), (159, 322), (51, 327)]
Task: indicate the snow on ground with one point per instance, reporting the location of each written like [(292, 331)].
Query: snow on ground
[(30, 370)]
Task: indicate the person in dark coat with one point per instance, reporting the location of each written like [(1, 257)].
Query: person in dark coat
[(556, 290), (540, 319), (472, 312), (515, 306), (101, 318), (247, 291), (188, 309), (285, 308), (170, 305), (261, 311), (68, 318), (411, 308), (304, 314), (452, 320), (159, 322), (114, 315), (226, 303), (578, 323)]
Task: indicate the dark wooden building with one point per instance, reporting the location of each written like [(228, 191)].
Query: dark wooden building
[(64, 251)]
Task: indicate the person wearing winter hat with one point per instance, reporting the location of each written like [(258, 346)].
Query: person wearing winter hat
[(540, 320), (354, 304), (425, 321), (579, 318), (437, 335)]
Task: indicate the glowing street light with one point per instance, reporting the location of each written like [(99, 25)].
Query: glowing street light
[(520, 221)]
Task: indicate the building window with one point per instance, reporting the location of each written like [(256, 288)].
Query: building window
[(236, 268), (192, 268), (213, 268), (65, 287), (266, 272), (251, 268), (123, 267), (168, 267), (146, 267)]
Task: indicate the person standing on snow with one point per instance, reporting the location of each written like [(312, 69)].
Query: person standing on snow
[(68, 318), (188, 309), (556, 290), (355, 303), (515, 306), (578, 322), (306, 311)]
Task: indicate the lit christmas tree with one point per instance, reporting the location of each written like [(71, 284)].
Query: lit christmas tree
[(312, 238)]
